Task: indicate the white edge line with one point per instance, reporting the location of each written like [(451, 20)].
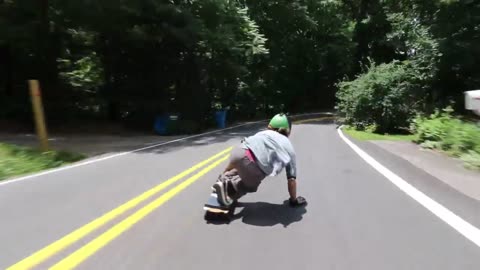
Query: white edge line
[(93, 160), (460, 225)]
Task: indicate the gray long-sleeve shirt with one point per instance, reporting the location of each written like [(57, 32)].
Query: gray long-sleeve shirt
[(273, 152)]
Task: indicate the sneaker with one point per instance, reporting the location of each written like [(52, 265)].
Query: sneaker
[(222, 195), (219, 179)]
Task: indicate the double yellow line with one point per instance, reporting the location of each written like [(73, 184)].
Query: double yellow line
[(93, 246)]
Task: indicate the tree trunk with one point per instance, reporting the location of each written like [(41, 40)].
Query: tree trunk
[(112, 110), (7, 69), (360, 36)]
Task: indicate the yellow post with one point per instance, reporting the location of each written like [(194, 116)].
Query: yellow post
[(36, 96)]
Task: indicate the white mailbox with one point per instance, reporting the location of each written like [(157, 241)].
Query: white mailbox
[(472, 101)]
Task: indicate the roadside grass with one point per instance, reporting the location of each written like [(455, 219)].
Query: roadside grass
[(370, 136), (441, 131), (17, 160)]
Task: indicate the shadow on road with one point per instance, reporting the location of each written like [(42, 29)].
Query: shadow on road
[(265, 214), (97, 145), (207, 139), (222, 136), (322, 121)]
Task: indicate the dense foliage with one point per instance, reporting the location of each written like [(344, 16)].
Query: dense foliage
[(442, 131), (132, 60), (383, 99), (429, 64)]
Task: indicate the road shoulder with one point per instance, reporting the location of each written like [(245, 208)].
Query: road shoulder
[(461, 204), (446, 169)]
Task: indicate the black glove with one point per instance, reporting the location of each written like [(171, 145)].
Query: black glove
[(299, 201)]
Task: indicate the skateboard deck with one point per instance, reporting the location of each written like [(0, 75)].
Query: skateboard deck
[(215, 211), (214, 206)]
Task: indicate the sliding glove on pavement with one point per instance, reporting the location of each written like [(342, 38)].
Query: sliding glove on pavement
[(299, 201)]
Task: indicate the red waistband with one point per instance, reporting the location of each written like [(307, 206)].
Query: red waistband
[(249, 154)]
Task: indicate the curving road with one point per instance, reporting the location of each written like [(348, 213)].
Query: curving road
[(94, 216)]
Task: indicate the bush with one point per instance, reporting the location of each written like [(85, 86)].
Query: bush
[(385, 97), (432, 129), (471, 159), (443, 131)]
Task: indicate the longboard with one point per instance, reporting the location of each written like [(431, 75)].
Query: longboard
[(215, 211)]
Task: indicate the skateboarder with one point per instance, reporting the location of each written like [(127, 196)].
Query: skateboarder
[(263, 154)]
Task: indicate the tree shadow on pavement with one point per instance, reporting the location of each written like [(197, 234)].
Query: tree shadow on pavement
[(265, 214), (222, 136), (322, 121), (97, 145)]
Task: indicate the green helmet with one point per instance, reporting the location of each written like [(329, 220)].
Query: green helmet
[(280, 121)]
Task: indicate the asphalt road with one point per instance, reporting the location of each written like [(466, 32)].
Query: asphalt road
[(355, 219)]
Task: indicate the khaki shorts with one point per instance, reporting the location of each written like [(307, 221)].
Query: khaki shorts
[(245, 177)]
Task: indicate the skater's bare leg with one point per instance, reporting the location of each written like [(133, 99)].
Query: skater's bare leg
[(229, 167)]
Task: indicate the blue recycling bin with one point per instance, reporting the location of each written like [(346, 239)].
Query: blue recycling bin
[(221, 118), (166, 124), (160, 124)]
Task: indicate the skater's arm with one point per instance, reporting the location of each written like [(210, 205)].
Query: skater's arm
[(291, 167), (292, 182), (292, 188)]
